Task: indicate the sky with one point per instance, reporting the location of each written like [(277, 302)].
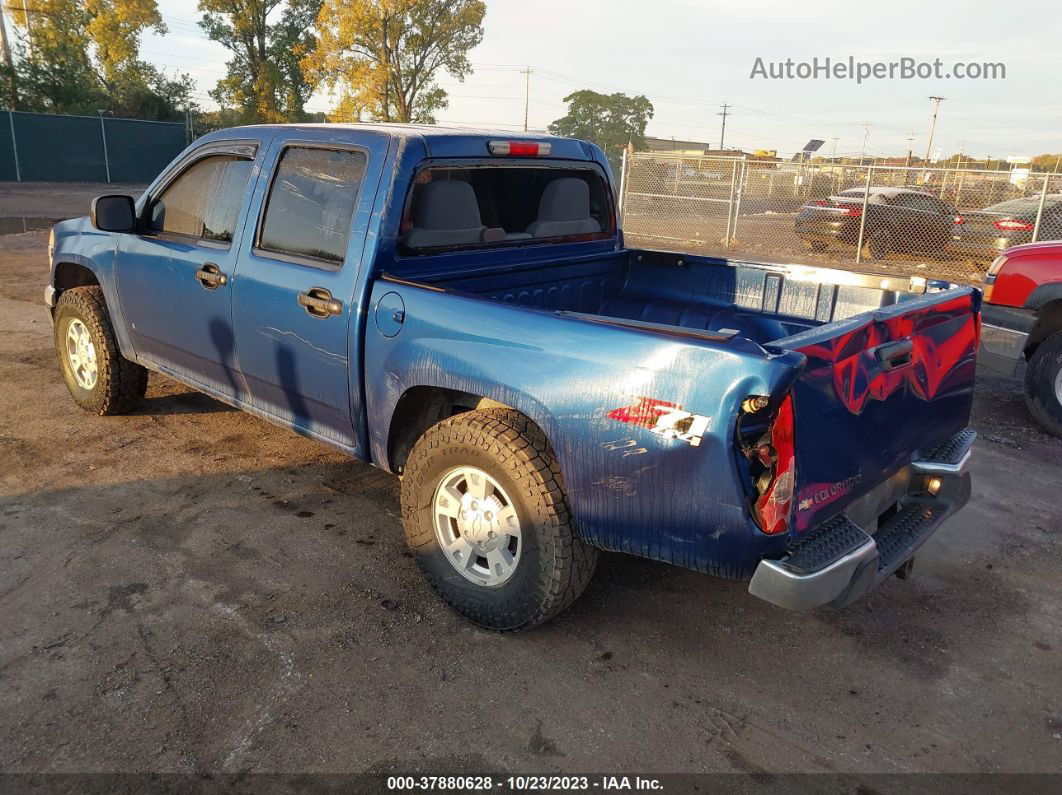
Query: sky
[(690, 57)]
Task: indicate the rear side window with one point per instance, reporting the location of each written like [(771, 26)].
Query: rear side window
[(204, 201), (454, 207), (311, 202)]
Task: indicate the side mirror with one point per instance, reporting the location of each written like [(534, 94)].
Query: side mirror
[(113, 213)]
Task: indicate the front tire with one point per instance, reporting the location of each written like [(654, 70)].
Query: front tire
[(99, 378), (1043, 384), (487, 520)]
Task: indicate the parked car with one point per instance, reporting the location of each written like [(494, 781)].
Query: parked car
[(897, 220), (1023, 322), (985, 234), (458, 308)]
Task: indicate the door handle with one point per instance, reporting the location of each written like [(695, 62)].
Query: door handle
[(210, 276), (894, 355), (318, 302)]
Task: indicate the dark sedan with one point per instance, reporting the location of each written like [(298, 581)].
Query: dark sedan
[(987, 233), (897, 219)]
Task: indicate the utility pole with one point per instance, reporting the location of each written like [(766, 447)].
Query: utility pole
[(527, 92), (724, 114), (833, 154), (5, 52), (910, 145), (933, 125), (866, 134)]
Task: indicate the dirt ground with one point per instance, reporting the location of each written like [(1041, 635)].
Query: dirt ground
[(191, 589)]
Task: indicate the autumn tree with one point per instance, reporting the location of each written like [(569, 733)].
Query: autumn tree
[(82, 56), (383, 56), (609, 120), (267, 39)]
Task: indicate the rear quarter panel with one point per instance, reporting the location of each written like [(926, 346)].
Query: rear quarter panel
[(630, 489)]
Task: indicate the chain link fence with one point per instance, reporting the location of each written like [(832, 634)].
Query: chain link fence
[(947, 223), (50, 148)]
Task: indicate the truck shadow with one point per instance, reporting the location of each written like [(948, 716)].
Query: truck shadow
[(189, 402)]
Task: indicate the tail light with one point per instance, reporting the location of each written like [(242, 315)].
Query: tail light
[(1013, 225), (776, 454), (852, 212), (519, 148), (820, 203), (959, 220)]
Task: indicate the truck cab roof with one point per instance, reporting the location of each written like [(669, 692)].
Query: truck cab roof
[(439, 142)]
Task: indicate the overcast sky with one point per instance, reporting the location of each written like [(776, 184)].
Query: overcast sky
[(689, 57)]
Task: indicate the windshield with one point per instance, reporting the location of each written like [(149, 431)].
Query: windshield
[(1027, 205)]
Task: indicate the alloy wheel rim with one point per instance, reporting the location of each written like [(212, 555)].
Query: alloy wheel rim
[(81, 354), (1058, 386), (477, 526)]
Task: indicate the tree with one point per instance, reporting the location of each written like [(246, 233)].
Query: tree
[(1047, 162), (609, 120), (264, 80), (82, 56), (384, 55)]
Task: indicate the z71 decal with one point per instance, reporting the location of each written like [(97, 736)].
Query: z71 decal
[(665, 419)]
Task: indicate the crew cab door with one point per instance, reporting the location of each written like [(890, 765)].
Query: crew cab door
[(295, 281), (174, 276)]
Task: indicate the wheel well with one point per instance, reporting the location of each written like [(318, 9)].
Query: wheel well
[(1048, 321), (418, 409), (70, 274)]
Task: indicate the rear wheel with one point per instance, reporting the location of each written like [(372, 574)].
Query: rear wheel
[(487, 520), (816, 245), (1043, 384), (879, 243), (99, 378)]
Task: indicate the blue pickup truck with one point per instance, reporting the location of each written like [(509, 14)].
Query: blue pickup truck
[(458, 307)]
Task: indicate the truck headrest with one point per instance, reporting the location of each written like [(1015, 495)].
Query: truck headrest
[(564, 209)]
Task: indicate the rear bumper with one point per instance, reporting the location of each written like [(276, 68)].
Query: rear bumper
[(836, 563)]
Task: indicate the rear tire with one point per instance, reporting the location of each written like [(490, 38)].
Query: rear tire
[(1043, 384), (547, 565), (879, 243), (817, 246), (99, 378)]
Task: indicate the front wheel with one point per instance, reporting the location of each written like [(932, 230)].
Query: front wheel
[(1043, 384), (487, 520), (99, 378)]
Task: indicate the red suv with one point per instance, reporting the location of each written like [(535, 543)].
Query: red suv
[(1022, 319)]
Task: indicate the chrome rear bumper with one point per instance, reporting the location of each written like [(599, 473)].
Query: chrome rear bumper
[(836, 563)]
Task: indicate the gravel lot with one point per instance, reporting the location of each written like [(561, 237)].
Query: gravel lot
[(190, 589)]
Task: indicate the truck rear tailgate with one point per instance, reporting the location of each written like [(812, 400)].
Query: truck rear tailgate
[(877, 388)]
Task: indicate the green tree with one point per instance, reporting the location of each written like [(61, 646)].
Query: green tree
[(609, 120), (384, 55), (267, 39), (82, 56)]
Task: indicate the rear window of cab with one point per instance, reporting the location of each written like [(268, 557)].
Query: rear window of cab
[(454, 207)]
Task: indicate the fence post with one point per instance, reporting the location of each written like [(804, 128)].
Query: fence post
[(14, 145), (730, 206), (863, 216), (622, 185), (740, 190), (106, 158), (1040, 209)]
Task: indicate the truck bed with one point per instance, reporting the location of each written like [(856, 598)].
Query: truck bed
[(761, 302)]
